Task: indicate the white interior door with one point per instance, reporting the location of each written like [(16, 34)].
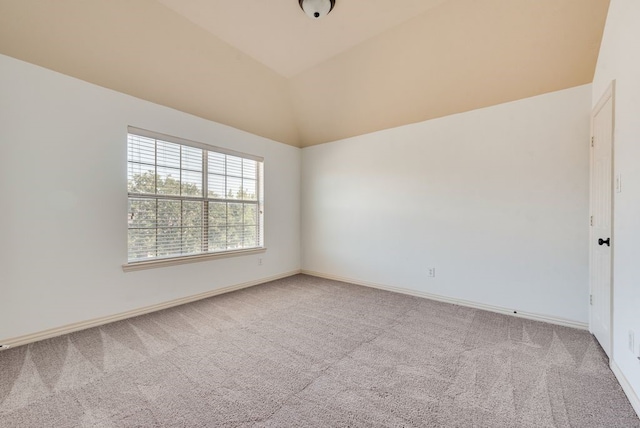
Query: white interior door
[(601, 221)]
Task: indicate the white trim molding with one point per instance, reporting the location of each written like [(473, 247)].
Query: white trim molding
[(174, 261), (513, 312), (83, 325), (626, 387)]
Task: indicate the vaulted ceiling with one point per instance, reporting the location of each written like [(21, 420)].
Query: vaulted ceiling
[(265, 67)]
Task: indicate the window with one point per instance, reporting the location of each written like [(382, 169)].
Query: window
[(188, 199)]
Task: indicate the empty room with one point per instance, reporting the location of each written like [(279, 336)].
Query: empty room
[(320, 213)]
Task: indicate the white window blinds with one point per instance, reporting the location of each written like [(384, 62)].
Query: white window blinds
[(188, 199)]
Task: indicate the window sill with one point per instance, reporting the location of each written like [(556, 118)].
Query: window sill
[(152, 264)]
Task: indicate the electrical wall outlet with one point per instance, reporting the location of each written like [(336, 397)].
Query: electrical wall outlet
[(260, 261), (431, 272), (632, 341)]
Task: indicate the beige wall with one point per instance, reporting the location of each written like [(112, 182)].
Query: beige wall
[(463, 55), (144, 49), (455, 57)]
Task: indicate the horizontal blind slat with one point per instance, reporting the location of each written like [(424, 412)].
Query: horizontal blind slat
[(167, 205)]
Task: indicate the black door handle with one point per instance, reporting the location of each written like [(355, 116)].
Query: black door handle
[(604, 241)]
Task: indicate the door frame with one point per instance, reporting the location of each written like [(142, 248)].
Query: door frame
[(609, 93)]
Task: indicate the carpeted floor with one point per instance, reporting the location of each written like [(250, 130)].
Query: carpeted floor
[(308, 352)]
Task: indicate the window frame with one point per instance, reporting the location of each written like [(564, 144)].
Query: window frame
[(133, 265)]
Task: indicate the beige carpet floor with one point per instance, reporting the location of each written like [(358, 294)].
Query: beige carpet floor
[(308, 352)]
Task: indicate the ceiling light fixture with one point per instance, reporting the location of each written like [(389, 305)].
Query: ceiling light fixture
[(317, 8)]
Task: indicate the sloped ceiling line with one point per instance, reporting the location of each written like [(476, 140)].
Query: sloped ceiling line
[(265, 68)]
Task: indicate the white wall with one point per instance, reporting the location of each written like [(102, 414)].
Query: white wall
[(620, 60), (63, 203), (495, 199)]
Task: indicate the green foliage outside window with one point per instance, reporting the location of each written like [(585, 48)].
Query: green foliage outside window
[(160, 226)]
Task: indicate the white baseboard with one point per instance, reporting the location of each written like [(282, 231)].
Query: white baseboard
[(626, 387), (82, 325), (467, 303)]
